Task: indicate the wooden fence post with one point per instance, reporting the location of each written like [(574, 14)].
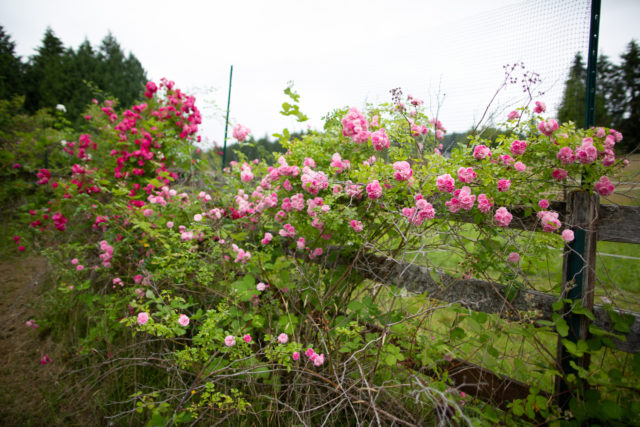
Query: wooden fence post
[(578, 281)]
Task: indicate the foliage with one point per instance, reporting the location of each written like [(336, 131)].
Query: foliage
[(56, 75), (229, 303)]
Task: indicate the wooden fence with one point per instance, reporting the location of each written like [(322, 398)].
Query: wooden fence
[(590, 221)]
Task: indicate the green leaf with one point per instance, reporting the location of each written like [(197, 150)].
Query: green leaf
[(492, 351), (611, 410), (578, 309), (557, 305), (561, 325), (457, 333)]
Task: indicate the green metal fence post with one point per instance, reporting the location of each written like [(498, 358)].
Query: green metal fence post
[(579, 263), (226, 122)]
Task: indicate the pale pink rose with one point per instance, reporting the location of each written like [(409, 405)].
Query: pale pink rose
[(567, 235), (283, 338), (183, 320), (143, 318), (541, 107), (513, 257), (229, 341)]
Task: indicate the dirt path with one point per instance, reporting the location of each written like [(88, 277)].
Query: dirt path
[(26, 386)]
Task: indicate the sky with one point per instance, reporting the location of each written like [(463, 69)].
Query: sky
[(337, 53)]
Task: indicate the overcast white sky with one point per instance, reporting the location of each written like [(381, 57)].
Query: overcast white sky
[(337, 52)]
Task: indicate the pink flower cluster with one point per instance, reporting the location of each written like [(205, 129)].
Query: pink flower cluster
[(402, 171), (587, 153), (446, 183), (317, 359), (462, 198), (43, 176), (16, 239), (549, 221), (518, 147), (374, 190), (355, 126), (547, 128), (357, 225), (502, 217), (559, 174), (604, 187), (266, 239), (107, 253), (313, 181), (242, 256), (245, 173), (287, 231), (466, 175), (484, 203), (423, 211), (380, 140), (150, 89), (504, 185), (338, 165), (481, 152), (240, 132)]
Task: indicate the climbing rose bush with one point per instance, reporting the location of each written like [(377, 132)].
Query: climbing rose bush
[(213, 282)]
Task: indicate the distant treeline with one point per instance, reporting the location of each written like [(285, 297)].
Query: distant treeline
[(61, 75), (617, 95)]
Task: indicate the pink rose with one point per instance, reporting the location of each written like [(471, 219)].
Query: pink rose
[(283, 338), (466, 175), (567, 235), (504, 185), (604, 187), (481, 152), (513, 257), (380, 140), (183, 320), (541, 107), (503, 217), (374, 190), (445, 183), (229, 341), (559, 174), (518, 147), (143, 318)]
